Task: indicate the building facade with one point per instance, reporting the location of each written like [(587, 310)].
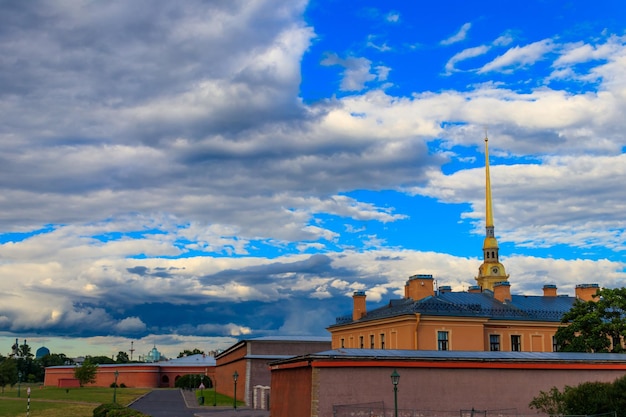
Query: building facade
[(486, 317)]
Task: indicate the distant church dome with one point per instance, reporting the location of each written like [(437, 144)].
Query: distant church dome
[(41, 352), (154, 355)]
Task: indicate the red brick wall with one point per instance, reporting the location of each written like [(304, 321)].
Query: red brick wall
[(312, 388), (132, 376), (445, 389), (291, 392)]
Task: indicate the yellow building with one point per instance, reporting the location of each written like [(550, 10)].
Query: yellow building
[(486, 317)]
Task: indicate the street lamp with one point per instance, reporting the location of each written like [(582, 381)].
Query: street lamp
[(235, 376), (19, 382), (201, 399), (115, 386), (395, 378)]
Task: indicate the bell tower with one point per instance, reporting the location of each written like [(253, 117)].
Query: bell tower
[(491, 270)]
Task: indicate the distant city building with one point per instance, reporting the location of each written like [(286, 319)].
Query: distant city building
[(15, 350), (486, 317)]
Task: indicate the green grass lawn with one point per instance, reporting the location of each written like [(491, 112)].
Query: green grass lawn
[(80, 402), (211, 398), (61, 402)]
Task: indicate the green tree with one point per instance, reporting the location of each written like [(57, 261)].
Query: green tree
[(25, 351), (55, 359), (86, 373), (188, 352), (587, 398), (551, 402), (8, 372), (595, 326), (100, 360), (193, 381), (122, 357), (617, 396)]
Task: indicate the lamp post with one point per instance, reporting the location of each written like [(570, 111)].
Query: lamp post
[(395, 378), (19, 383), (115, 386), (201, 398), (235, 376)]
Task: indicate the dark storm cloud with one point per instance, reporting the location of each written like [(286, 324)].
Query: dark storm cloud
[(389, 258), (145, 271), (318, 265)]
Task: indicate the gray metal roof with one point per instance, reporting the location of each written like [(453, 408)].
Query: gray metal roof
[(191, 360), (451, 355), (479, 305), (291, 339)]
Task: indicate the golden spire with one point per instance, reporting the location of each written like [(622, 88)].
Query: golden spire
[(488, 209), (491, 271)]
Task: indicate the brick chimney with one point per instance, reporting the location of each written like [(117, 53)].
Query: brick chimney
[(502, 291), (419, 286), (359, 309), (444, 289), (549, 290), (586, 292), (474, 289)]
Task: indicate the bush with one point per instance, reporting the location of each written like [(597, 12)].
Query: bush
[(588, 398), (618, 396), (104, 409), (192, 381), (116, 410)]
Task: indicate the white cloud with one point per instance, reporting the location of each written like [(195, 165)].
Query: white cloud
[(130, 325), (581, 52), (356, 71), (392, 17), (519, 56), (461, 35), (464, 55)]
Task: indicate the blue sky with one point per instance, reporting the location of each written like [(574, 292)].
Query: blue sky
[(191, 174)]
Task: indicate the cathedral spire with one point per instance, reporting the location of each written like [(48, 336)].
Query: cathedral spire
[(488, 207), (491, 271)]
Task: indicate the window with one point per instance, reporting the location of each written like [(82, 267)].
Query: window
[(371, 341), (361, 341), (494, 342), (442, 340), (382, 340), (555, 345), (516, 343), (342, 343)]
